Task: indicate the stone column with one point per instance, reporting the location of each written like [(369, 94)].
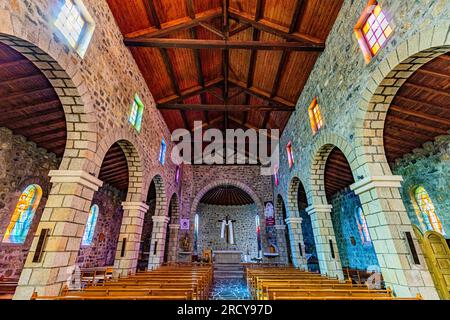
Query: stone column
[(324, 237), (388, 221), (296, 240), (158, 241), (65, 215), (174, 230), (281, 242), (129, 243)]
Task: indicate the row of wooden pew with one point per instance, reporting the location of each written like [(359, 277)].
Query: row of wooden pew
[(293, 284), (7, 288), (191, 282)]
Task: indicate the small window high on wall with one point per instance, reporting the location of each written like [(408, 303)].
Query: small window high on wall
[(315, 116), (290, 154), (373, 30), (23, 214), (276, 177), (90, 226), (76, 25), (136, 113), (426, 211), (162, 152)]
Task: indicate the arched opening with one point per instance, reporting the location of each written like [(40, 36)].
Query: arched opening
[(416, 138), (156, 203), (356, 250), (102, 230), (33, 137), (307, 231), (171, 241), (282, 214), (226, 216)]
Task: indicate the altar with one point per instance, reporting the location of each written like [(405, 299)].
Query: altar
[(227, 257)]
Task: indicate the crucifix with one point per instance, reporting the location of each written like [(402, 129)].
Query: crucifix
[(227, 231)]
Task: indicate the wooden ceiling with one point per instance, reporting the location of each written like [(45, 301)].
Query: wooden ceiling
[(338, 174), (114, 170), (29, 104), (228, 63), (227, 196), (420, 111)]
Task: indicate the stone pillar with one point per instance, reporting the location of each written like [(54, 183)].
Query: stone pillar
[(296, 240), (388, 221), (324, 237), (65, 216), (282, 243), (158, 241), (127, 253), (174, 230)]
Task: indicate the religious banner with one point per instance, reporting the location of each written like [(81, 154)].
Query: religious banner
[(184, 224), (269, 214)]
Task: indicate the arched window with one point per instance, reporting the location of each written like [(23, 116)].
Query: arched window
[(258, 234), (315, 116), (362, 226), (22, 217), (90, 226), (290, 154), (427, 210)]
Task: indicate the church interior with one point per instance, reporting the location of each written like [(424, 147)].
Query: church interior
[(98, 203)]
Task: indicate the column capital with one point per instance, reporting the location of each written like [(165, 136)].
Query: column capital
[(141, 206), (75, 176), (163, 219), (280, 227), (371, 183), (293, 220), (326, 208), (174, 226)]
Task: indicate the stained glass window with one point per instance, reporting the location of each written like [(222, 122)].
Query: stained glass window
[(290, 154), (276, 177), (70, 22), (362, 226), (136, 113), (162, 152), (428, 211), (177, 175), (315, 116), (22, 217), (376, 29), (196, 222), (90, 226)]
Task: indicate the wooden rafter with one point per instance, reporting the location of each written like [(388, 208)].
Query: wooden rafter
[(221, 44), (152, 14), (267, 26), (192, 92), (176, 25), (422, 115), (222, 107)]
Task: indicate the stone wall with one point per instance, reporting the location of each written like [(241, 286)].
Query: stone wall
[(357, 255), (21, 163), (146, 236), (428, 167), (244, 228), (102, 251), (310, 244)]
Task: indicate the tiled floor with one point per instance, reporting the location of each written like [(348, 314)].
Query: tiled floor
[(230, 289)]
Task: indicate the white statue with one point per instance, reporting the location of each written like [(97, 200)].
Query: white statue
[(227, 230)]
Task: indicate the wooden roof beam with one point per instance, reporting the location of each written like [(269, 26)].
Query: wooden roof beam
[(222, 107), (269, 27), (419, 114), (147, 42), (152, 14), (263, 95), (181, 24), (191, 92)]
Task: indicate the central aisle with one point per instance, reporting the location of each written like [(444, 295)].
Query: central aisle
[(230, 289)]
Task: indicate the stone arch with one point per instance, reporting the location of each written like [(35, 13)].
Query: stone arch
[(230, 182), (280, 207), (161, 199), (292, 203), (80, 118), (174, 206), (322, 148), (171, 247), (132, 152), (382, 87)]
